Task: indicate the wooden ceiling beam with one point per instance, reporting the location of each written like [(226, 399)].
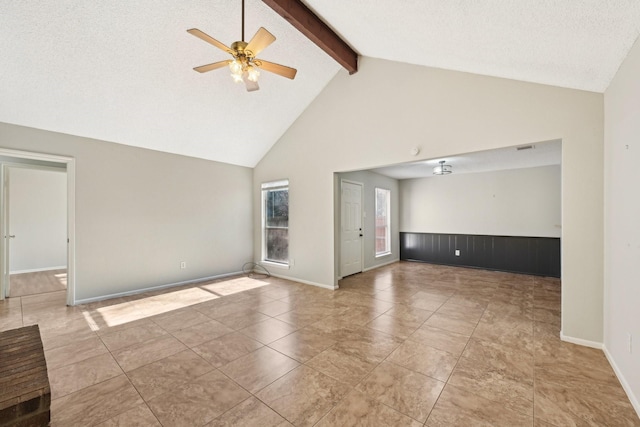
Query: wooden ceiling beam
[(308, 23)]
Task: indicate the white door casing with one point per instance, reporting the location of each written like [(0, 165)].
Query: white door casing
[(351, 242), (4, 265)]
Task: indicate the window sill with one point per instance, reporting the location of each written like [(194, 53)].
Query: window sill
[(383, 254), (275, 264)]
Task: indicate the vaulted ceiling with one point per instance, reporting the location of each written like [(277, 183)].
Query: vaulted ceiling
[(121, 71)]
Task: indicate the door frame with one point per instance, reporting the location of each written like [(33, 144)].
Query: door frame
[(362, 217), (71, 204)]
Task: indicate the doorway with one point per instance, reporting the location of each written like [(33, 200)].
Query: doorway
[(351, 242), (38, 248)]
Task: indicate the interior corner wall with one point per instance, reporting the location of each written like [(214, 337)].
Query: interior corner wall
[(139, 213), (515, 202), (376, 116), (38, 219), (622, 229), (371, 181)]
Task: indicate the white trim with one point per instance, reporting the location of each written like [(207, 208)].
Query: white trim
[(306, 282), (36, 270), (625, 385), (156, 288), (71, 212), (381, 265), (580, 341), (281, 266)]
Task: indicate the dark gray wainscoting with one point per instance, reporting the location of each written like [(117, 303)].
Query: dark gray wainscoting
[(539, 256)]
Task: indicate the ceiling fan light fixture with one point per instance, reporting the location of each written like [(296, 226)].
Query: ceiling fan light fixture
[(442, 169), (252, 73)]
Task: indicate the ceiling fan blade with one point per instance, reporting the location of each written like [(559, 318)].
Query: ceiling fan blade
[(213, 66), (278, 69), (202, 36), (251, 86), (261, 40)]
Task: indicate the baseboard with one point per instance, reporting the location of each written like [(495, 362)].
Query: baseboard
[(306, 282), (625, 385), (381, 265), (154, 288), (580, 341), (36, 270)]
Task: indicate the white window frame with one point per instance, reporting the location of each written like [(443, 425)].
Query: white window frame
[(387, 250), (282, 184)]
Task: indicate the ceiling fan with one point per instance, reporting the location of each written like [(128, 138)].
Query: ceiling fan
[(245, 66)]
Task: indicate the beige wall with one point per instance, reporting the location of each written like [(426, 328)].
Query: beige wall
[(517, 202), (376, 116), (622, 223), (139, 213)]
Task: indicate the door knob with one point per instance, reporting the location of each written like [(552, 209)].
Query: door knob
[(360, 234), (12, 236)]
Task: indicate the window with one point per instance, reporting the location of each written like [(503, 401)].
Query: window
[(383, 224), (275, 222)]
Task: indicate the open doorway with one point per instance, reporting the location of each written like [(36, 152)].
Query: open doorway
[(36, 217), (37, 205)]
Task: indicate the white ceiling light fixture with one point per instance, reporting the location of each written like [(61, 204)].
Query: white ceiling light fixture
[(442, 169)]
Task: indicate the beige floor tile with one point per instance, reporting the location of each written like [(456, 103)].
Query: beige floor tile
[(251, 412), (408, 313), (497, 374), (201, 333), (74, 352), (131, 336), (269, 330), (174, 371), (357, 409), (140, 416), (147, 352), (220, 351), (369, 345), (258, 369), (95, 404), (441, 339), (406, 391), (458, 407), (344, 367), (302, 318), (426, 360), (274, 308), (241, 320), (443, 321), (303, 344), (198, 402), (304, 395), (396, 326), (70, 378), (180, 319), (363, 335), (564, 406)]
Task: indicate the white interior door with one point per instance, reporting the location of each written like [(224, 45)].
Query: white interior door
[(351, 228)]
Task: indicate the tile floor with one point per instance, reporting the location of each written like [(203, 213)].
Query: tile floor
[(38, 282), (405, 345)]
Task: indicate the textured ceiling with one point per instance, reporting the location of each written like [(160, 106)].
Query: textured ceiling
[(541, 154), (570, 43), (121, 71)]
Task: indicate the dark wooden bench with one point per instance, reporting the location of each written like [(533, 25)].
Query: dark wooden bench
[(25, 395)]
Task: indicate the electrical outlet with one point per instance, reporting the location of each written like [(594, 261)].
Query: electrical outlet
[(183, 264), (629, 340), (457, 252), (292, 262)]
